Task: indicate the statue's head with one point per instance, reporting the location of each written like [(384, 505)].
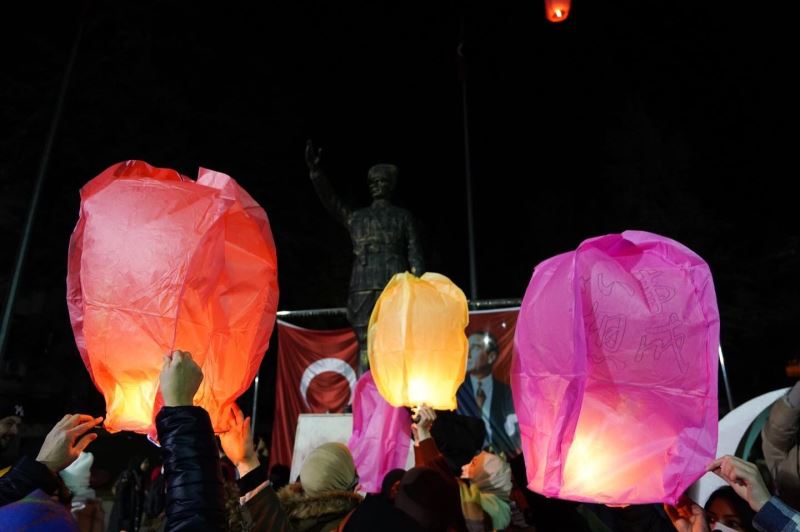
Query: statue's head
[(382, 179)]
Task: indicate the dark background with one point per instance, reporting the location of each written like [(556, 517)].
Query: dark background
[(671, 117)]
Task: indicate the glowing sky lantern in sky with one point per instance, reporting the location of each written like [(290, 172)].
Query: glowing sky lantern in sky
[(417, 345), (557, 10), (160, 262), (615, 378)]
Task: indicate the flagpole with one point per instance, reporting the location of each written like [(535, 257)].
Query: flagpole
[(8, 311), (462, 72)]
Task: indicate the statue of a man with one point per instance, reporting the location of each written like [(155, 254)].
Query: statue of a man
[(384, 239)]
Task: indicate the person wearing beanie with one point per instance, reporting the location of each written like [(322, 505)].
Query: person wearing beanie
[(62, 446), (458, 437), (11, 414), (324, 494)]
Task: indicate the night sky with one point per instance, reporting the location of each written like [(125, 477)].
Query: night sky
[(671, 117)]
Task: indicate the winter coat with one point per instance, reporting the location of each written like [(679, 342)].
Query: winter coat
[(126, 514), (781, 450), (26, 476), (316, 513), (194, 498), (262, 508)]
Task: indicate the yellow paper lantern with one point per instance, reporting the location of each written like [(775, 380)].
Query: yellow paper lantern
[(417, 345)]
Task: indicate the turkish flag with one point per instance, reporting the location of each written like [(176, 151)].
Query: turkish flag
[(316, 375)]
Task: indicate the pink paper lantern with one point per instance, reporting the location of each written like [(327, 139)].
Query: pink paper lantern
[(615, 380), (381, 435)]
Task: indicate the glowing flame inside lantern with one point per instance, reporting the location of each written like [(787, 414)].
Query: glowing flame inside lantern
[(557, 10), (598, 468)]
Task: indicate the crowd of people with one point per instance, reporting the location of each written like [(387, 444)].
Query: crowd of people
[(211, 483)]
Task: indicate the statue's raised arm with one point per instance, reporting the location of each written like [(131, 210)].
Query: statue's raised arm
[(330, 200)]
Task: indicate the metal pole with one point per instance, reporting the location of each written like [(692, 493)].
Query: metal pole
[(255, 408), (494, 303), (473, 276), (37, 190), (314, 312), (341, 311), (725, 379)]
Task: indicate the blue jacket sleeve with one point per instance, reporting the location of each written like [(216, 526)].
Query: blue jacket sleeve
[(26, 476)]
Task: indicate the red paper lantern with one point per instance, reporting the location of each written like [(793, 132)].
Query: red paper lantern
[(557, 10), (160, 262)]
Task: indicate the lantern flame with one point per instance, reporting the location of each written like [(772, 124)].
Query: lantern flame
[(557, 10), (597, 466), (132, 405)]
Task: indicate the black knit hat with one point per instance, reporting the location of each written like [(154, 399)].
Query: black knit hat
[(458, 437)]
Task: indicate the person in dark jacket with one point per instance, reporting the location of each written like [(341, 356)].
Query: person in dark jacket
[(378, 511), (129, 492), (194, 498), (62, 446)]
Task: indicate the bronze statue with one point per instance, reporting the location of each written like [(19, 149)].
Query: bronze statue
[(384, 239)]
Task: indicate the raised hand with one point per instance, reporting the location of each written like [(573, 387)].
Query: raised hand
[(180, 379), (744, 478), (65, 442), (687, 516), (423, 421), (238, 442)]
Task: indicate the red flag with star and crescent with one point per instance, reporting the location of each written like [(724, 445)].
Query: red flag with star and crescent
[(316, 375)]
